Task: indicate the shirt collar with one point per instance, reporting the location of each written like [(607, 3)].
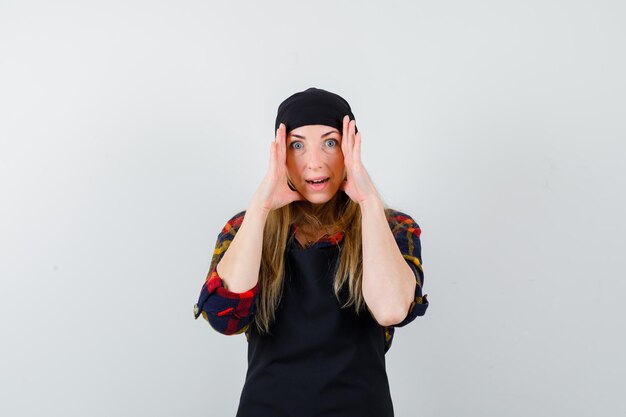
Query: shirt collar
[(325, 241)]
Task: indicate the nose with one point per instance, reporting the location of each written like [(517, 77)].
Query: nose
[(315, 157)]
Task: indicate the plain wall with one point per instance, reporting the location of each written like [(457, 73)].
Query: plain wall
[(132, 130)]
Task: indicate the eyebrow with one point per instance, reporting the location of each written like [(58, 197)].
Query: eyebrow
[(302, 137)]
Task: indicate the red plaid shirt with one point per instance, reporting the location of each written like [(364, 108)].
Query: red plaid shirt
[(232, 313)]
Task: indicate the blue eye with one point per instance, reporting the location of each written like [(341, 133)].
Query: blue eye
[(293, 145), (333, 141)]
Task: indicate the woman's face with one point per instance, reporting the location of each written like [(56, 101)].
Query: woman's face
[(314, 153)]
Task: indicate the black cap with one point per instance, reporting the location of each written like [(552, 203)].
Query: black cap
[(313, 106)]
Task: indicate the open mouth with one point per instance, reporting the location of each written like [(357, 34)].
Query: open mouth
[(318, 181)]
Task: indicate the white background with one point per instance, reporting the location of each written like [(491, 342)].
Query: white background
[(132, 130)]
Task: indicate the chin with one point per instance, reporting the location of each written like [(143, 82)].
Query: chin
[(319, 198)]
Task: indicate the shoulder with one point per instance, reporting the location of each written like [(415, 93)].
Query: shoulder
[(407, 233), (401, 220), (233, 224)]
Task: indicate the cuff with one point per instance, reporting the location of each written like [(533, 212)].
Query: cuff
[(226, 302), (420, 302)]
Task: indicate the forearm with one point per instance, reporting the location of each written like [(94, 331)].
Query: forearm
[(388, 282), (240, 265)]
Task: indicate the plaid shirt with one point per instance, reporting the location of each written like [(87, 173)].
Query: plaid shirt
[(232, 313)]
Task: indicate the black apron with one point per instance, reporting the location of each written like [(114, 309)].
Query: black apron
[(320, 360)]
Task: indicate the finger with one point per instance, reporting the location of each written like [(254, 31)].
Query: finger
[(351, 137), (283, 144), (344, 133), (352, 130), (273, 151), (278, 138), (357, 146), (345, 142)]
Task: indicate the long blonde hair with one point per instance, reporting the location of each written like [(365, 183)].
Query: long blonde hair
[(338, 213)]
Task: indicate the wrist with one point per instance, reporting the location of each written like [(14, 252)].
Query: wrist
[(256, 208), (372, 203)]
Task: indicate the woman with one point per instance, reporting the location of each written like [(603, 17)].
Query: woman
[(316, 272)]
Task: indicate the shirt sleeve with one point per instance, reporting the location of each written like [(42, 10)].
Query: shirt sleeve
[(407, 234), (227, 312)]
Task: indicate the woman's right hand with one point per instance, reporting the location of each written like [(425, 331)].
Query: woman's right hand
[(274, 191)]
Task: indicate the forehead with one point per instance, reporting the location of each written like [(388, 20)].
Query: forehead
[(313, 130)]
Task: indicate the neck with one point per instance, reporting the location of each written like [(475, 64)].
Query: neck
[(317, 216)]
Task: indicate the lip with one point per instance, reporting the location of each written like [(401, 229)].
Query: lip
[(316, 178), (318, 187)]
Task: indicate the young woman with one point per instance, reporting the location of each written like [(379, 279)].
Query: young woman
[(317, 272)]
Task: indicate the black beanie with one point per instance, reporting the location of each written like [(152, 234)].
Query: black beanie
[(313, 106)]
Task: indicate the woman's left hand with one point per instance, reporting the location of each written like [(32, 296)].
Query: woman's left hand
[(358, 184)]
